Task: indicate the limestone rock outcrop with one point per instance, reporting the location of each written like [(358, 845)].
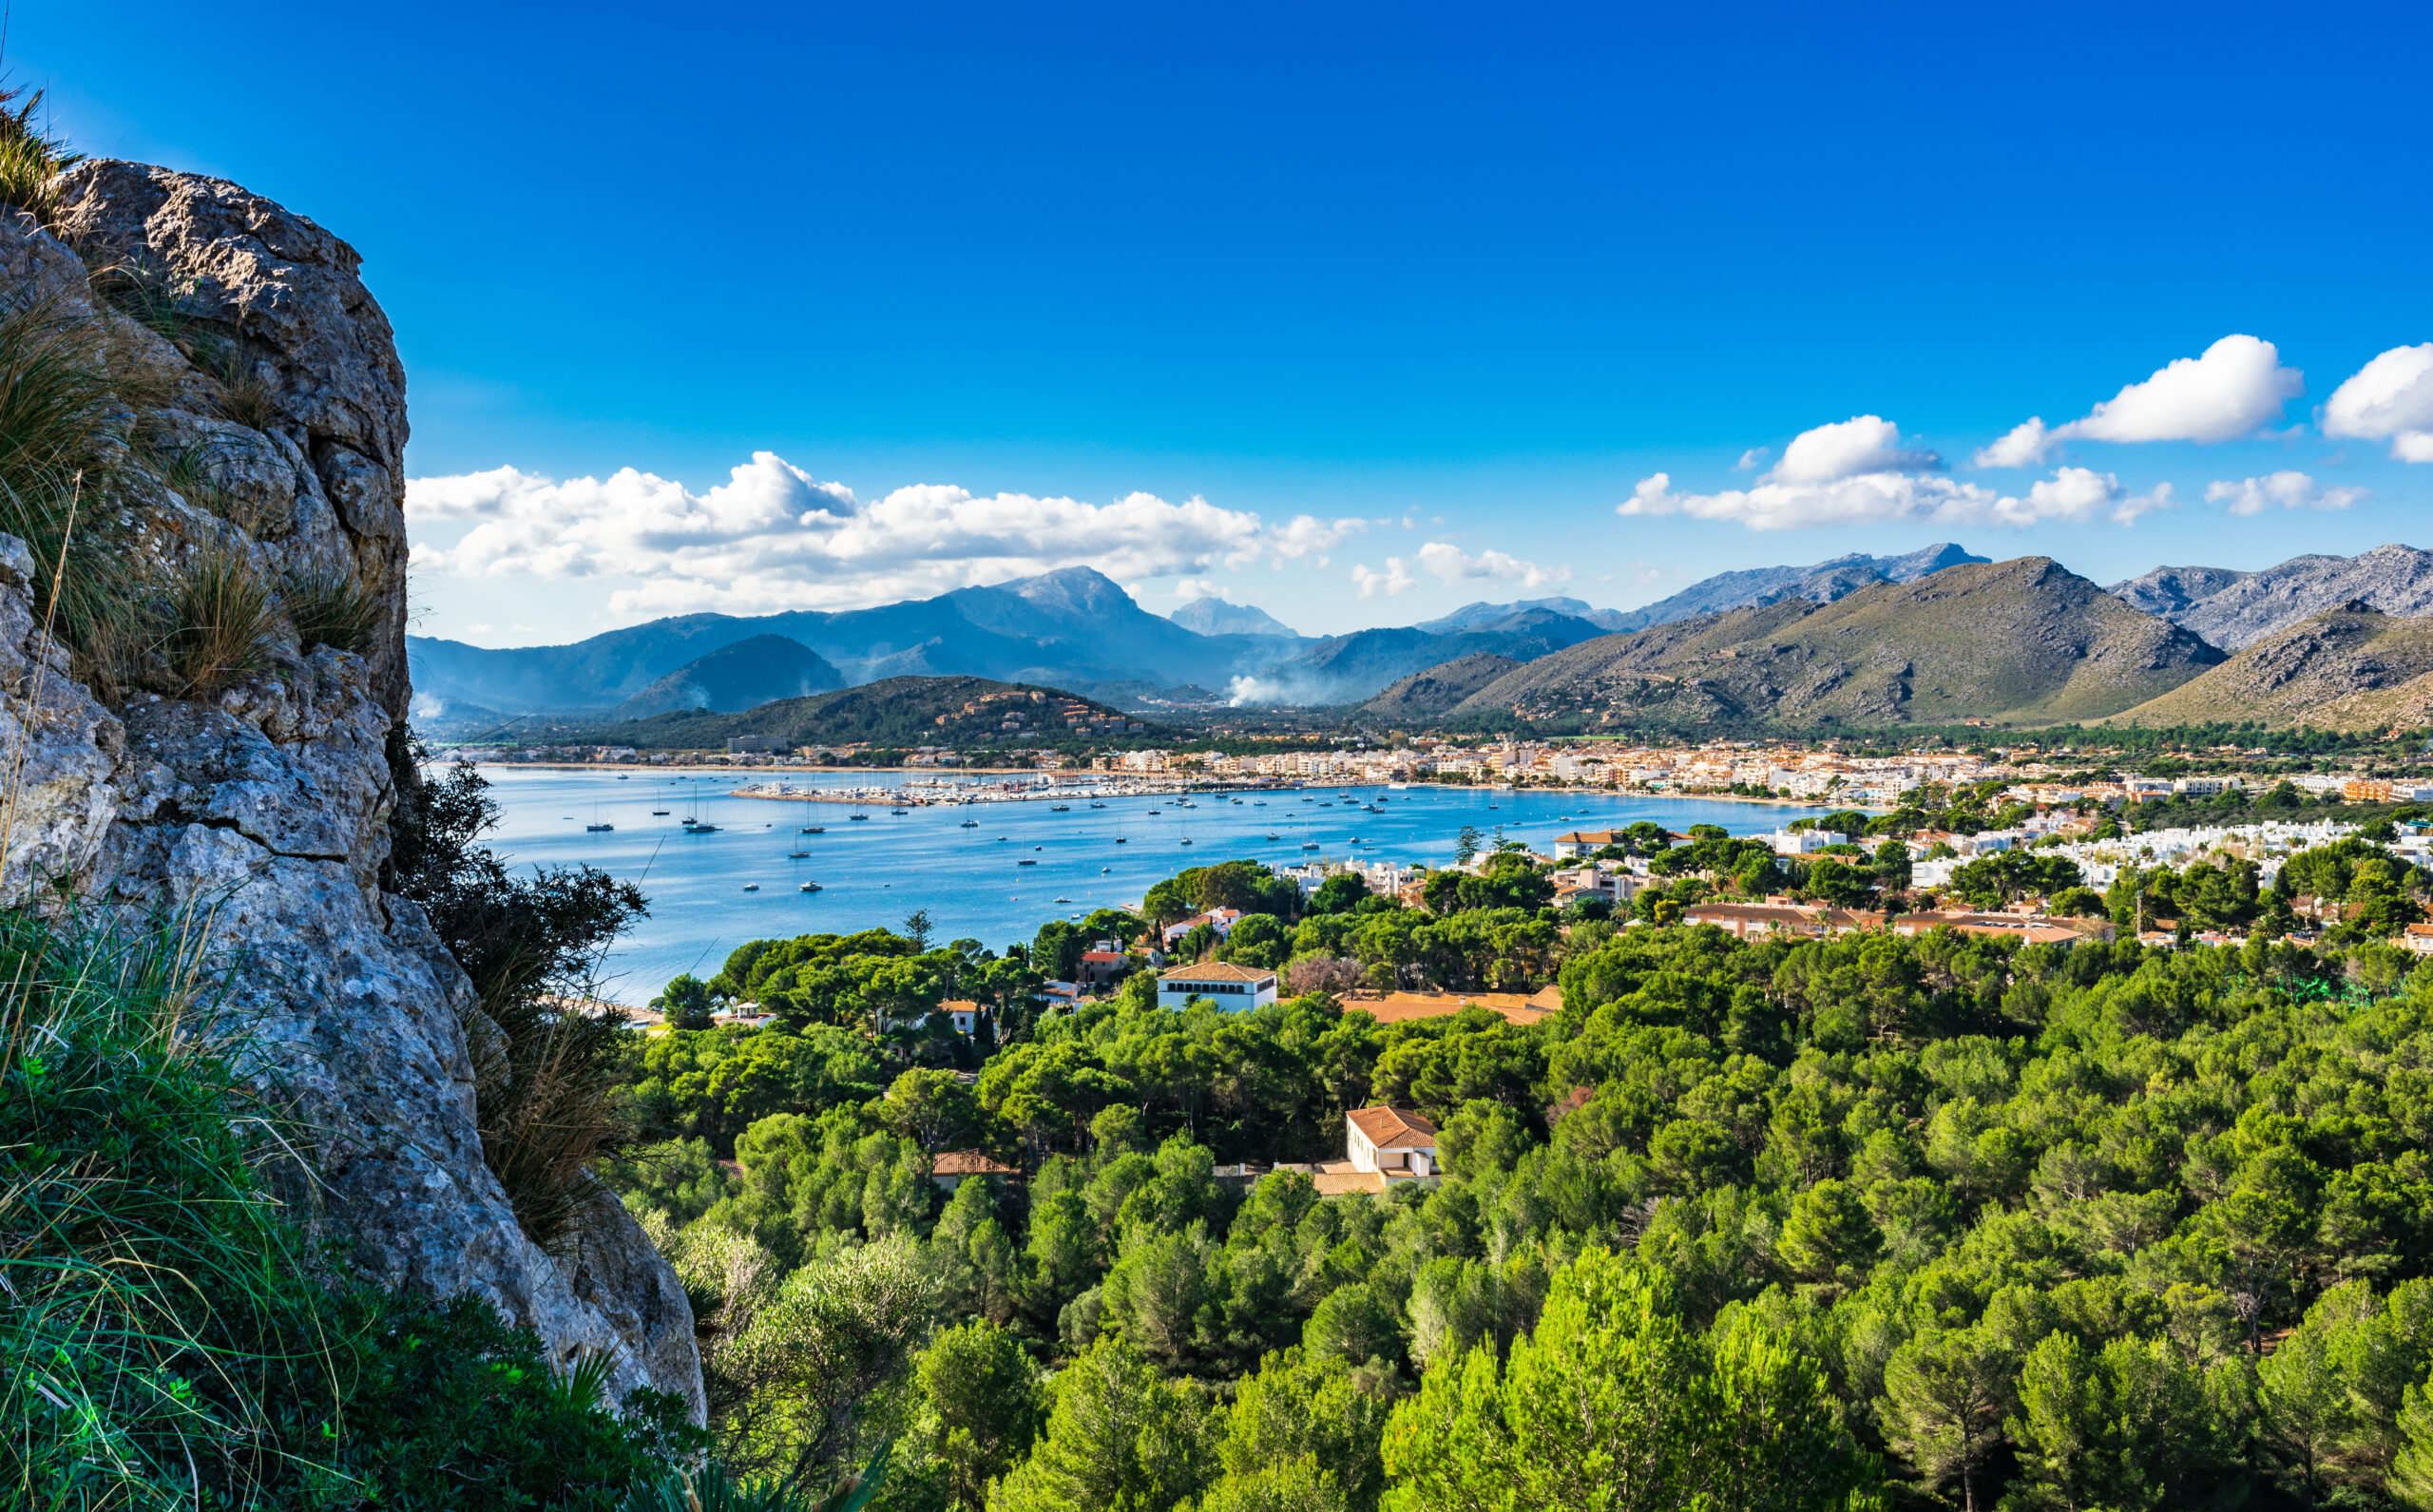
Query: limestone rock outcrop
[(263, 811)]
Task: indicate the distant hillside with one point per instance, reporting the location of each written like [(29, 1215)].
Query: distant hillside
[(1071, 628), (1482, 616), (1431, 694), (1350, 668), (2024, 641), (735, 678), (2234, 609), (964, 713), (2355, 668), (1212, 616), (1822, 583)]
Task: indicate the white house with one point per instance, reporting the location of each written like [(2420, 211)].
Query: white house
[(1234, 989), (1396, 1143)]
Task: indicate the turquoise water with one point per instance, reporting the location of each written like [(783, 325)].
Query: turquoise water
[(875, 872)]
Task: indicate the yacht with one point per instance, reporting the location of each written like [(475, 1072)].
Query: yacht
[(1095, 804), (857, 818), (598, 828), (1063, 900), (659, 814), (1275, 837), (796, 856), (969, 824), (1060, 807), (1186, 839), (898, 812), (814, 828), (752, 886), (1120, 840), (808, 886), (1308, 845), (1026, 862)]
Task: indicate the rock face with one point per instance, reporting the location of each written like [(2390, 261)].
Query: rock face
[(2238, 609), (263, 811)]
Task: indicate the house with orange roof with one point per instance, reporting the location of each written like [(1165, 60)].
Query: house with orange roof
[(1234, 989), (1397, 1143)]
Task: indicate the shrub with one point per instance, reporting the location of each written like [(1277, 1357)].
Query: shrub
[(169, 1341), (546, 1074), (220, 619)]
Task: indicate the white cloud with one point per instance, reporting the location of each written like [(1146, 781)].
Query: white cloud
[(2235, 388), (2285, 489), (1753, 459), (2070, 494), (2388, 399), (1307, 535), (1190, 588), (773, 537), (1392, 580), (1848, 448), (2027, 445), (1451, 565)]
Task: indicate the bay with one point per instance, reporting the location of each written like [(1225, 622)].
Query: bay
[(875, 871)]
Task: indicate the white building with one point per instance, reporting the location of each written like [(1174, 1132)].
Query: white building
[(1397, 1143), (1234, 989)]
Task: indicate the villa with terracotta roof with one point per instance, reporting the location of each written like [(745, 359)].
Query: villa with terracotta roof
[(1397, 1143), (2032, 929), (1516, 1008), (1234, 989), (1757, 919), (955, 1167)]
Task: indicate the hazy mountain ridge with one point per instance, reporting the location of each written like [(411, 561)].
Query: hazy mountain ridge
[(2020, 640), (2234, 609), (737, 676), (1821, 582), (1214, 616)]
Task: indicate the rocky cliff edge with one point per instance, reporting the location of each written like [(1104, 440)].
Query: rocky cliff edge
[(264, 808)]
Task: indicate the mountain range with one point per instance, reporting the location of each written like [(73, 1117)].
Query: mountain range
[(2236, 609), (2025, 640), (1696, 652)]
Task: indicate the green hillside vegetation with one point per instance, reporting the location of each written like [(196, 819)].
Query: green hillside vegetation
[(2355, 668), (2018, 642), (1431, 694), (1868, 1222), (964, 713)]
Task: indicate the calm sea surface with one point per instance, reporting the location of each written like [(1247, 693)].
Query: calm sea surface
[(876, 871)]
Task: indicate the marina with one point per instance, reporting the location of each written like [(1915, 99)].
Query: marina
[(935, 856)]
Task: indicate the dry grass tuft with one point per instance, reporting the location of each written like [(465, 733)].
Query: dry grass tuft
[(31, 159), (220, 621), (331, 609)]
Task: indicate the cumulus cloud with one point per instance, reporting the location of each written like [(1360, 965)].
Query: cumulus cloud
[(1190, 588), (2070, 494), (2237, 388), (1451, 565), (1370, 581), (1848, 448), (2285, 489), (2027, 445), (1753, 459), (1307, 535), (774, 537), (2388, 399)]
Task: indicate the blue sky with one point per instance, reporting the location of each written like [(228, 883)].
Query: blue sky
[(996, 288)]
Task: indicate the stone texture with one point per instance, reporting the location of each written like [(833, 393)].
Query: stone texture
[(284, 296), (262, 813)]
